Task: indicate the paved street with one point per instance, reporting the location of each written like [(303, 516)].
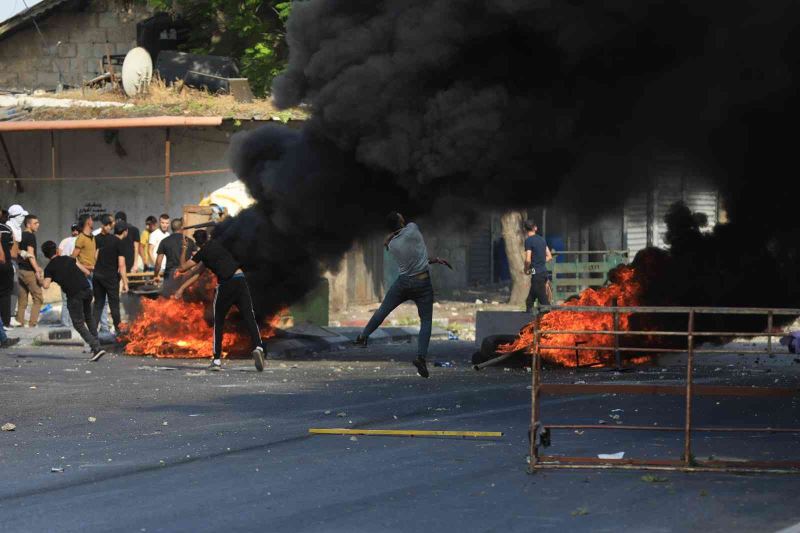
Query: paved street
[(162, 445)]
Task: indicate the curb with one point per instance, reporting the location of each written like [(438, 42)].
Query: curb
[(301, 340), (338, 338)]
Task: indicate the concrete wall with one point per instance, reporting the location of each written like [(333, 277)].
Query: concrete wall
[(124, 153), (27, 63)]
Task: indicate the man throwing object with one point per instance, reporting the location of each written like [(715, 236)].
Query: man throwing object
[(232, 290), (407, 246)]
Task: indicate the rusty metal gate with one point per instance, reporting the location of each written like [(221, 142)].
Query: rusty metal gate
[(541, 433)]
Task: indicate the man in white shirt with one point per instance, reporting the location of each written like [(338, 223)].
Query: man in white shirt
[(157, 236), (65, 248)]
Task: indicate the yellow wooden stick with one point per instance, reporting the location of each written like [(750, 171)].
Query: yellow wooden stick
[(404, 432)]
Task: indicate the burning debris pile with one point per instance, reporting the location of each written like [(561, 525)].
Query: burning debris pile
[(172, 328), (624, 289), (682, 276)]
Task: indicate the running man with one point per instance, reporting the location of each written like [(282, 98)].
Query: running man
[(407, 246), (232, 290), (73, 278)]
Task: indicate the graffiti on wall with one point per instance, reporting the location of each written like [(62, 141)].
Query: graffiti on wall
[(95, 209)]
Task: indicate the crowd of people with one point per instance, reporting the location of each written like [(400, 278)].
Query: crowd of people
[(91, 265)]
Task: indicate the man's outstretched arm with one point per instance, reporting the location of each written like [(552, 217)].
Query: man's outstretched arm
[(193, 276)]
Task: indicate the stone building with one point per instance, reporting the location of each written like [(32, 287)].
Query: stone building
[(72, 38)]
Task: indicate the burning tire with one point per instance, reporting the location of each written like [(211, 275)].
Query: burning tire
[(489, 351)]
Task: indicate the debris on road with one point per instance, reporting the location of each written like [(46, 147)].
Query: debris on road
[(8, 427), (580, 511), (618, 455), (92, 419), (649, 478), (57, 470)]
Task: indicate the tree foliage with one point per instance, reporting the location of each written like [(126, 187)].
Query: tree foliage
[(250, 31)]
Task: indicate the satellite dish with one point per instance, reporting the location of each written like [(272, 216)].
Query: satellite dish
[(137, 70)]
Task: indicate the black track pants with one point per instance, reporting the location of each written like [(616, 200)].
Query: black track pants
[(229, 293)]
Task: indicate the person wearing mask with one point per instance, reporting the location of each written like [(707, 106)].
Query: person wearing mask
[(30, 273), (9, 252), (407, 246), (65, 248), (231, 290), (72, 277), (16, 216), (537, 255), (16, 220), (110, 270), (130, 243), (157, 236), (176, 249), (150, 225)]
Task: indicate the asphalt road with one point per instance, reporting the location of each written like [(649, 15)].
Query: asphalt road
[(161, 445)]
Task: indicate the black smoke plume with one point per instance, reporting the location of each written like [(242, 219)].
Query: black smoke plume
[(437, 107)]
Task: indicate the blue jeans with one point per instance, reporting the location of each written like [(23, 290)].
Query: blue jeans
[(407, 288), (3, 336)]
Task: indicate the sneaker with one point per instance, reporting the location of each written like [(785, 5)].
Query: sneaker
[(14, 323), (360, 341), (422, 367), (215, 366), (9, 342), (258, 358), (97, 355)]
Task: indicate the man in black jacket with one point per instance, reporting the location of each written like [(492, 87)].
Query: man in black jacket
[(232, 290)]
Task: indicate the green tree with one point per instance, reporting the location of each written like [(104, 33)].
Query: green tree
[(250, 31)]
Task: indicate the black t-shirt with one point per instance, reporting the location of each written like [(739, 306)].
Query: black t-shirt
[(217, 259), (538, 246), (6, 240), (109, 250), (127, 246), (171, 247), (28, 239), (65, 272)]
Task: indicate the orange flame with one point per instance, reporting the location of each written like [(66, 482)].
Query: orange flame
[(624, 288), (171, 328)]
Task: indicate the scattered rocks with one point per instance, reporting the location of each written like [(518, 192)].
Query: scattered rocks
[(8, 427)]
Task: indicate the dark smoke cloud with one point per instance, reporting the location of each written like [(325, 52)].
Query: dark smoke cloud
[(439, 107)]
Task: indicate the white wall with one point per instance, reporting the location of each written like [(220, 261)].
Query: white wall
[(88, 154)]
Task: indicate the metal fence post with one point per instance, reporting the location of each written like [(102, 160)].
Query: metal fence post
[(687, 444), (617, 353), (769, 333), (536, 368)]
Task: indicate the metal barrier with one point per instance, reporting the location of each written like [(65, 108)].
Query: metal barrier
[(540, 434), (572, 272)]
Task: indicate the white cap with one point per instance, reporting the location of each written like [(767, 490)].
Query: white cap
[(16, 210)]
